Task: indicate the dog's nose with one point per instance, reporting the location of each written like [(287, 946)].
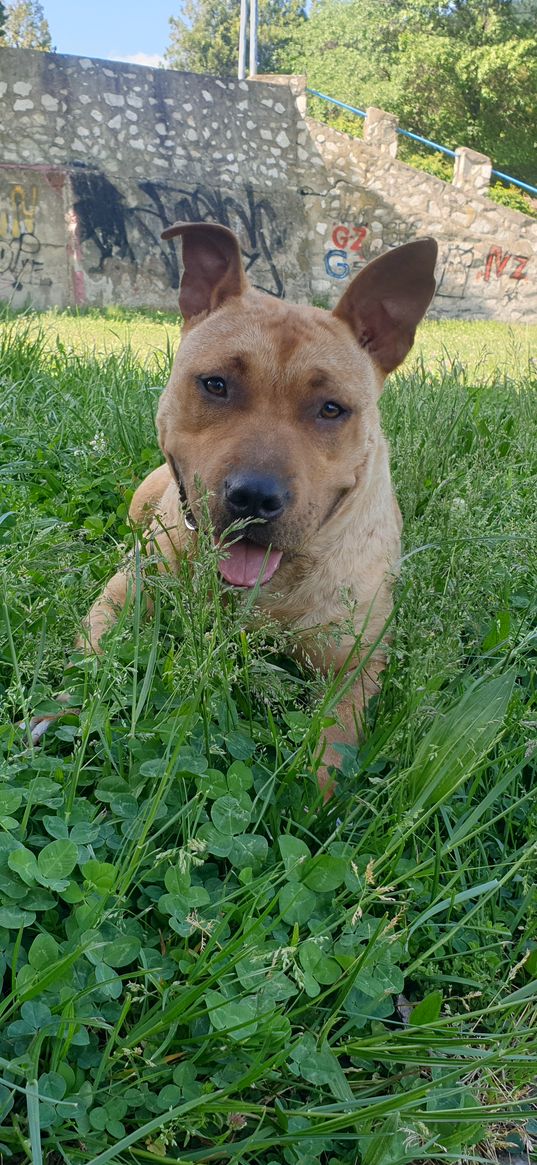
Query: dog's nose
[(255, 495)]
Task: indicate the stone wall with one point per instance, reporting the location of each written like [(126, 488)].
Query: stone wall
[(136, 149), (487, 265), (97, 157)]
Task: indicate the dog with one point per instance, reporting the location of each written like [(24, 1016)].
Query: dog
[(271, 412)]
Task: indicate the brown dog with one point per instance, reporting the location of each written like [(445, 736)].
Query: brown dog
[(271, 410)]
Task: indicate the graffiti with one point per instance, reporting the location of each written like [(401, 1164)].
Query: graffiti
[(20, 218), (19, 245), (346, 254), (101, 215), (455, 273), (117, 230), (336, 265), (253, 219), (151, 221), (19, 265), (454, 270), (462, 265), (498, 263), (349, 237)]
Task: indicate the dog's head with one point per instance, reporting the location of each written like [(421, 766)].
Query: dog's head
[(271, 408)]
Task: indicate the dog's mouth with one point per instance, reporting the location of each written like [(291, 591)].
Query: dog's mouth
[(246, 564)]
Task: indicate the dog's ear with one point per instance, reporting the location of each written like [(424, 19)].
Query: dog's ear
[(388, 298), (213, 269)]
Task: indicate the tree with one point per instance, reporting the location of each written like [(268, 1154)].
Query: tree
[(503, 79), (206, 38), (463, 73), (482, 22), (2, 21), (484, 97), (26, 26)]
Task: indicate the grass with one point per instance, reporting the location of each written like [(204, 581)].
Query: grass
[(201, 962), (483, 348)]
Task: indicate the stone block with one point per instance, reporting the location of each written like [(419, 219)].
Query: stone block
[(472, 171), (380, 131)]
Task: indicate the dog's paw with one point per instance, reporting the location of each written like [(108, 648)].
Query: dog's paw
[(40, 724)]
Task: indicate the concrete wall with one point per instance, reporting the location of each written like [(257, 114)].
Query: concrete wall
[(34, 260), (96, 157)]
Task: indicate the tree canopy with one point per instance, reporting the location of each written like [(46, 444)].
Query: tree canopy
[(25, 26), (463, 75), (204, 39)]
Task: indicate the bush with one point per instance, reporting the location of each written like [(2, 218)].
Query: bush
[(341, 120), (437, 164), (514, 198)]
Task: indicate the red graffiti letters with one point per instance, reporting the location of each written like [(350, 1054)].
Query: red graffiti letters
[(497, 264), (346, 255), (342, 236), (520, 269)]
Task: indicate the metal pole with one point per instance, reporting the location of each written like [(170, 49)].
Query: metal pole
[(253, 38), (242, 40)]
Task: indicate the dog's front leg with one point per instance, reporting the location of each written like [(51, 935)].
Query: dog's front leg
[(350, 712), (102, 616), (105, 611), (99, 620), (165, 542)]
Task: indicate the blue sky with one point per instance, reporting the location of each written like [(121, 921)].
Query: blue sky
[(132, 30)]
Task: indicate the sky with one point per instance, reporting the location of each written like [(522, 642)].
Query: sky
[(121, 30)]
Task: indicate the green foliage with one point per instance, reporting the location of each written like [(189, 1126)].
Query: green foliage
[(461, 74), (26, 26), (205, 38), (514, 198), (469, 95), (423, 159), (502, 80), (199, 959)]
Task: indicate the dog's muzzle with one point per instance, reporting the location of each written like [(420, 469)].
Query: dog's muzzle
[(245, 563)]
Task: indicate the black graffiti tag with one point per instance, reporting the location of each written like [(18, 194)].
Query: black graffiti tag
[(102, 215), (116, 229), (18, 260), (253, 220)]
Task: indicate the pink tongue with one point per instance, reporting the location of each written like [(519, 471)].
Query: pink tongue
[(243, 564)]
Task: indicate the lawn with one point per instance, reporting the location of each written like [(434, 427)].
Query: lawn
[(483, 348), (201, 961)]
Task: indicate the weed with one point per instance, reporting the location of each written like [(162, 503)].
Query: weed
[(201, 962)]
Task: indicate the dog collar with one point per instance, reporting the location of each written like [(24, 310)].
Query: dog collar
[(188, 517)]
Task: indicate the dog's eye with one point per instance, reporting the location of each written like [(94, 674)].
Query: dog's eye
[(330, 411), (215, 385)]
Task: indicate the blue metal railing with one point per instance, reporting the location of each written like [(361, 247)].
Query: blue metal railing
[(515, 182), (342, 105), (416, 137)]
